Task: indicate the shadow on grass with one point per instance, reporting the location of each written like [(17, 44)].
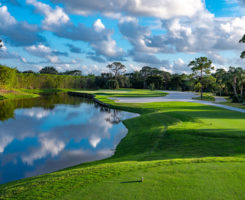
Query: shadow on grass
[(132, 181)]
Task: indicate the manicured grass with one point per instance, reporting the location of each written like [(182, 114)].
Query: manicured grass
[(206, 97), (183, 151), (177, 181), (127, 93)]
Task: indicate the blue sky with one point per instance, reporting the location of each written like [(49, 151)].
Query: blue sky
[(88, 35)]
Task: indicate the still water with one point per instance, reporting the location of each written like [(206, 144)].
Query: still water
[(52, 132)]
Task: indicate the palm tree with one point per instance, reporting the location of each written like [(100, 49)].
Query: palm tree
[(241, 81), (234, 75), (220, 79)]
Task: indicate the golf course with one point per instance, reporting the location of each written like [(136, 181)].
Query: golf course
[(122, 100), (173, 150)]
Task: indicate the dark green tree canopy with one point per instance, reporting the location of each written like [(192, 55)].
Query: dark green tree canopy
[(73, 73), (28, 72), (48, 70), (117, 68), (201, 67), (156, 80)]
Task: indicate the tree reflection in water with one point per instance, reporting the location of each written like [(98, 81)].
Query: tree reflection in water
[(52, 132)]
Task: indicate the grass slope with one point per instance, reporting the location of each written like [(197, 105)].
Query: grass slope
[(16, 94), (183, 151), (28, 93)]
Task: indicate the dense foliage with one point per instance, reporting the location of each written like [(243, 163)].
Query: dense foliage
[(221, 82)]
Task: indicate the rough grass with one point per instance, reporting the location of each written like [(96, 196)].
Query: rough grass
[(183, 151)]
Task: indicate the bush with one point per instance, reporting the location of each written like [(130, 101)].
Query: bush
[(235, 100)]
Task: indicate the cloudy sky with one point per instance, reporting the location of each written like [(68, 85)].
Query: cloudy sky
[(87, 35)]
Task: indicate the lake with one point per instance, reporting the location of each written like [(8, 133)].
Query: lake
[(53, 132)]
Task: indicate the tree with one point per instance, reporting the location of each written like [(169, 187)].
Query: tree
[(209, 83), (242, 81), (145, 72), (28, 72), (176, 82), (136, 80), (220, 76), (200, 67), (117, 68), (198, 87), (73, 73), (48, 70), (242, 41), (7, 77), (156, 80), (234, 76)]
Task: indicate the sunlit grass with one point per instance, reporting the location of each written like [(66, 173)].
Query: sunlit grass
[(206, 97), (16, 94), (127, 93), (183, 151)]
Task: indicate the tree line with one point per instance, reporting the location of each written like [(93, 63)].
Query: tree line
[(203, 79)]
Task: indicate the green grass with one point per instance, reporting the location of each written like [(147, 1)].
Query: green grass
[(16, 94), (28, 93), (176, 181), (32, 93), (183, 151), (230, 103), (237, 105), (127, 93), (206, 97)]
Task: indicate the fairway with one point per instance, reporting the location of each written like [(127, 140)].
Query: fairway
[(183, 150)]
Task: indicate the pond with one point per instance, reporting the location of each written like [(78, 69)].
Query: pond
[(53, 132)]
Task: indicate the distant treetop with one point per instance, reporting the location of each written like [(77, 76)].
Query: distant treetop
[(48, 70)]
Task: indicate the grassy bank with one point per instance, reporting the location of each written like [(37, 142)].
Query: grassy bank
[(27, 93), (183, 151), (32, 93), (16, 94)]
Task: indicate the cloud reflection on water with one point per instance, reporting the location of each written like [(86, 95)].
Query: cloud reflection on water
[(39, 141)]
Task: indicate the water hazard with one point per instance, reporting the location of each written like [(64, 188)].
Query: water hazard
[(53, 132)]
